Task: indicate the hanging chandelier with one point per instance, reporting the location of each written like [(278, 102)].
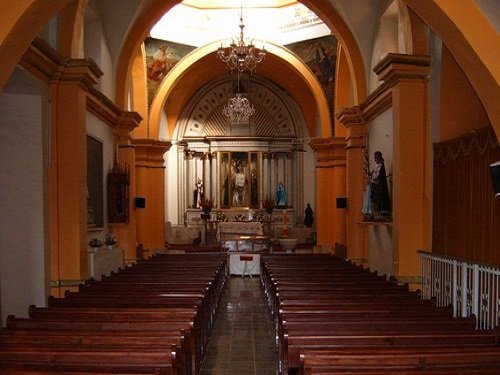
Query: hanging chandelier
[(238, 109), (240, 56)]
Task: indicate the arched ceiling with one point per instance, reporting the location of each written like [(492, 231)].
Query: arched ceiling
[(276, 69)]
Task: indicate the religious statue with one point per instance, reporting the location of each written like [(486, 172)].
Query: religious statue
[(239, 186), (308, 217), (197, 193), (376, 201), (254, 188), (281, 195)]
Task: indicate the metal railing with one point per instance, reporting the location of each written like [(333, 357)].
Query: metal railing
[(471, 288)]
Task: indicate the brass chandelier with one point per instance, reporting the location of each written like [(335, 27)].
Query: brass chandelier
[(240, 56)]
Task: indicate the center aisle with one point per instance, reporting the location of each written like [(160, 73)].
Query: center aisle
[(242, 339)]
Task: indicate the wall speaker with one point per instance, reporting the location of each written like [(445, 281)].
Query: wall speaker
[(342, 202), (140, 202), (495, 176)]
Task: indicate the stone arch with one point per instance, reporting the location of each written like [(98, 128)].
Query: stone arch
[(327, 13), (175, 75)]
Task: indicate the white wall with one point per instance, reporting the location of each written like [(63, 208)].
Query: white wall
[(24, 261)]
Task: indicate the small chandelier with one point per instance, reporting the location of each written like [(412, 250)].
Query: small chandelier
[(238, 109), (240, 56)]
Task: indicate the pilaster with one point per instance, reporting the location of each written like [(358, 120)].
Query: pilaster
[(125, 156), (68, 171), (330, 184), (354, 122), (406, 76), (150, 183)]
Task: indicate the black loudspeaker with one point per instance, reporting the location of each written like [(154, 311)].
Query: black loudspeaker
[(342, 202), (495, 176), (140, 202)]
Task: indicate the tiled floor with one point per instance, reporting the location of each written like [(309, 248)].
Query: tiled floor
[(242, 340)]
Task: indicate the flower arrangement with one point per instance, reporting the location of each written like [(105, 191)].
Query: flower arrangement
[(110, 240), (220, 217), (268, 204), (239, 217), (207, 203), (95, 242), (258, 216)]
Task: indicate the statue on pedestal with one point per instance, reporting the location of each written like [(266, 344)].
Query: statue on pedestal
[(281, 196)]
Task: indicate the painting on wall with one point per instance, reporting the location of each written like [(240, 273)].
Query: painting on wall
[(161, 57), (320, 55)]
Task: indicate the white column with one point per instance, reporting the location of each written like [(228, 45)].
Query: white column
[(281, 168), (206, 175), (214, 178), (289, 178), (191, 177), (265, 176), (274, 175)]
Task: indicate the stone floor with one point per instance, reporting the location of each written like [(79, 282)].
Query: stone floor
[(242, 340)]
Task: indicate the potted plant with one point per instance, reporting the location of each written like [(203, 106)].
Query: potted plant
[(95, 243), (110, 241), (207, 204)]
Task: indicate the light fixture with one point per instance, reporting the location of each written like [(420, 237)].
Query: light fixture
[(240, 56), (238, 108)]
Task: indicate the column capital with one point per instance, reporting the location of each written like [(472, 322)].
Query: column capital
[(329, 152), (126, 122), (352, 118), (266, 155), (149, 152), (84, 72), (395, 66)]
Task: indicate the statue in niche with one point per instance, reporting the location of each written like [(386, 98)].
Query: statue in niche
[(198, 193), (281, 195), (239, 185), (376, 201)]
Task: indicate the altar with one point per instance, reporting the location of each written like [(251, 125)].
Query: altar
[(232, 235), (244, 240)]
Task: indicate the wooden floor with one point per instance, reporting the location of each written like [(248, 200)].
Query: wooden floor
[(242, 340)]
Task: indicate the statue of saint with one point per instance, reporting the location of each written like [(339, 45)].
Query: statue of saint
[(281, 195), (239, 186), (197, 193), (376, 202), (308, 217)]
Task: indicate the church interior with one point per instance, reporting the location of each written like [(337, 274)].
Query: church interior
[(287, 140)]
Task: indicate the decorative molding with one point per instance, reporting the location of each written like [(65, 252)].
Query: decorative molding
[(352, 118), (149, 152), (41, 60), (329, 152), (395, 66)]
